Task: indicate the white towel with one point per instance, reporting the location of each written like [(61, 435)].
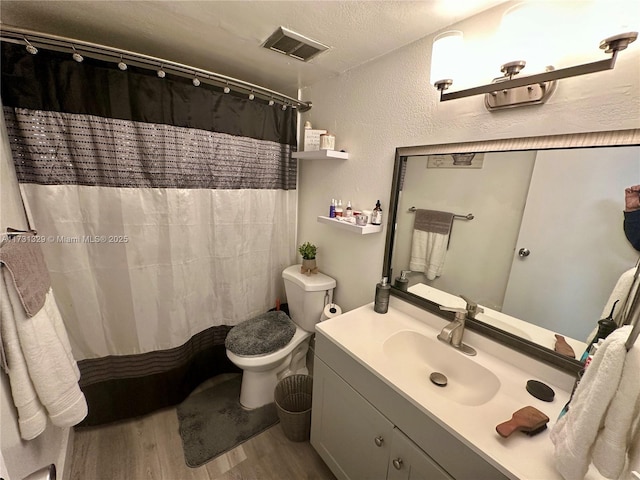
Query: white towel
[(32, 417), (575, 434), (428, 252), (614, 440), (52, 372)]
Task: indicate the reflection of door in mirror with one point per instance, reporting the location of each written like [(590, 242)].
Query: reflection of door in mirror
[(479, 254), (582, 194), (575, 205)]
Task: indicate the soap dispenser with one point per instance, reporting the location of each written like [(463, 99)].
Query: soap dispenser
[(402, 282), (383, 289)]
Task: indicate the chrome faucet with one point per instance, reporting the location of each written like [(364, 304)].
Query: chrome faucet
[(472, 308), (453, 332)]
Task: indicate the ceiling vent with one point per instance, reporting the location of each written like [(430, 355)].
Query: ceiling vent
[(294, 45)]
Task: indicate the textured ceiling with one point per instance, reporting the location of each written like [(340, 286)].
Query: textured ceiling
[(226, 36)]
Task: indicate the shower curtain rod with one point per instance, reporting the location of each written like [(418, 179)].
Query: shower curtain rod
[(102, 52)]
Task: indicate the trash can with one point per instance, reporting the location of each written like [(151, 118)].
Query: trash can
[(293, 401)]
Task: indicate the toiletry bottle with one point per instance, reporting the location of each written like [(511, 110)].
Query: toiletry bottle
[(332, 208), (376, 216), (592, 352), (402, 282), (327, 141), (348, 212), (383, 289), (339, 209)]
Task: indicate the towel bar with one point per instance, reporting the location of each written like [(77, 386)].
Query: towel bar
[(633, 317), (13, 231), (633, 336), (468, 216), (6, 236)]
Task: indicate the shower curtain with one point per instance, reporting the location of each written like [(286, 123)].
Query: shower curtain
[(166, 213)]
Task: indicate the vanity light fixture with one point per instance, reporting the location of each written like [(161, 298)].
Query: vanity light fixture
[(512, 91)]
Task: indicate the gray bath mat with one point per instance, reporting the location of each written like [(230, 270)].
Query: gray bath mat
[(213, 422)]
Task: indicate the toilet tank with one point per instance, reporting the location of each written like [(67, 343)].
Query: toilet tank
[(306, 295)]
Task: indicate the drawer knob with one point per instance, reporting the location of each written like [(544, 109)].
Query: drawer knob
[(397, 463), (379, 441)]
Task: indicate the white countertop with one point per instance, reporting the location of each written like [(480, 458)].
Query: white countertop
[(362, 333)]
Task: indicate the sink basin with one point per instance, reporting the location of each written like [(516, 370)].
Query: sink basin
[(418, 356)]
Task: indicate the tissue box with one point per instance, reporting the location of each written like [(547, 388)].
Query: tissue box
[(312, 139)]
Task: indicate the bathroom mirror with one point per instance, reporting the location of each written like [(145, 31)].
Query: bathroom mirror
[(545, 246)]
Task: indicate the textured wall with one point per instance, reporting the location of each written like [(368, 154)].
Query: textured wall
[(388, 103)]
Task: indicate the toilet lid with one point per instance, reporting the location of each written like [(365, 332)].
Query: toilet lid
[(261, 335)]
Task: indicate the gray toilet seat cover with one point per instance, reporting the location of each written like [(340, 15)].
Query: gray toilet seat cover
[(261, 335)]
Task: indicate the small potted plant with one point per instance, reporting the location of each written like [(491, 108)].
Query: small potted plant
[(308, 252)]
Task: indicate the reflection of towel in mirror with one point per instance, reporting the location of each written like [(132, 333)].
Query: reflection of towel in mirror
[(621, 291), (431, 232), (602, 420)]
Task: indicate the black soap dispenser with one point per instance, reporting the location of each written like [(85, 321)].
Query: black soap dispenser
[(383, 289), (402, 282), (605, 327)]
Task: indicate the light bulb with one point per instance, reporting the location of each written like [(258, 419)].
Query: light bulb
[(446, 56), (532, 32)]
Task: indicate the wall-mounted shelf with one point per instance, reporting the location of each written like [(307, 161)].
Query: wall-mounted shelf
[(362, 230), (320, 154)]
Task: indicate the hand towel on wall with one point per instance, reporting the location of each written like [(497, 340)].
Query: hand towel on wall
[(23, 257), (41, 367), (575, 434), (431, 231)]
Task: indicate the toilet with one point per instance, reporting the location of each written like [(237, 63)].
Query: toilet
[(272, 346)]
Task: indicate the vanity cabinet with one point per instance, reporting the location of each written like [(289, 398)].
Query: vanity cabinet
[(357, 441), (352, 437), (409, 462), (365, 429)]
